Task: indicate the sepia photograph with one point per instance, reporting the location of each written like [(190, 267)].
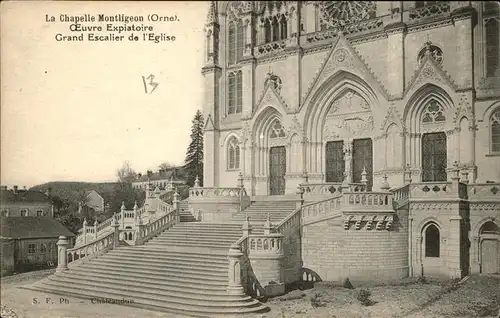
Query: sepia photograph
[(266, 159)]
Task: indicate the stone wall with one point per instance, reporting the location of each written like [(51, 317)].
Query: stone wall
[(334, 253)]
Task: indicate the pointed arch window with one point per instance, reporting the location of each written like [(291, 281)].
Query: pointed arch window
[(433, 113), (495, 131), (432, 241), (235, 92), (233, 154), (277, 130), (492, 32), (236, 41)]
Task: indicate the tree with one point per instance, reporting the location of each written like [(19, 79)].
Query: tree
[(166, 166), (126, 174), (194, 155)]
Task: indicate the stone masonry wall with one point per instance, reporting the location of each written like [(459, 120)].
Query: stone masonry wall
[(334, 253)]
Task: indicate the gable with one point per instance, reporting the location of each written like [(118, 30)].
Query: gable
[(209, 123), (429, 72), (342, 57), (270, 97)]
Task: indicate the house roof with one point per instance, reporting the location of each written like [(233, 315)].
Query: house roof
[(22, 195), (155, 176), (91, 191), (32, 227)]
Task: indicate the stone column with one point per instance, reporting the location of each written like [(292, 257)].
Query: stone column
[(135, 212), (475, 266), (453, 246), (62, 254), (234, 285), (122, 211), (139, 239), (84, 231), (418, 254), (175, 203), (246, 226), (116, 232), (95, 229)]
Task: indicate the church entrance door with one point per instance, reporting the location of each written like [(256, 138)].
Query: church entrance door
[(277, 170), (434, 157), (335, 164), (362, 158)]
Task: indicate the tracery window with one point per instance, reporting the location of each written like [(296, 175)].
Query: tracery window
[(235, 92), (275, 82), (335, 14), (495, 130), (275, 28), (233, 154), (435, 52), (277, 130), (432, 243), (236, 39), (433, 113), (24, 212), (39, 212), (492, 32)]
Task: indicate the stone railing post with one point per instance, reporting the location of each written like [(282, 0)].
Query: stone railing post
[(122, 211), (385, 185), (95, 229), (241, 186), (234, 285), (62, 254), (116, 235), (407, 173), (364, 181), (300, 193), (175, 203), (455, 176), (246, 226), (197, 182), (139, 234), (84, 231), (267, 225), (135, 212)]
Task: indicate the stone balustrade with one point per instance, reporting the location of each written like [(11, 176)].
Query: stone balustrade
[(321, 209), (432, 190), (367, 201), (271, 47), (215, 192), (270, 243), (321, 188), (433, 11), (90, 249), (290, 223), (482, 191), (147, 231)]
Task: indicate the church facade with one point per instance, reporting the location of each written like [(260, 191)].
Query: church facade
[(321, 91)]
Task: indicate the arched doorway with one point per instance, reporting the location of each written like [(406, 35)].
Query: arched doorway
[(490, 248)]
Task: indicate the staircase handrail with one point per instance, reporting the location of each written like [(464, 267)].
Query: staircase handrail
[(216, 191), (98, 246), (401, 195), (147, 231)]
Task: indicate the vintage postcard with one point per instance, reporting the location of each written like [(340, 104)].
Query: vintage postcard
[(250, 158)]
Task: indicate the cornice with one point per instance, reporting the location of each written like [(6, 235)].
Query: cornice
[(210, 68)]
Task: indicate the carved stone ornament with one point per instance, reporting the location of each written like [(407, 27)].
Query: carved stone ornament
[(463, 109), (392, 116)]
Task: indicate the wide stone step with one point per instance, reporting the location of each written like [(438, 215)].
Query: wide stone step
[(160, 275), (167, 257), (134, 287), (169, 263), (204, 231), (174, 269), (205, 254), (165, 281), (210, 226), (182, 244), (170, 306), (200, 238)]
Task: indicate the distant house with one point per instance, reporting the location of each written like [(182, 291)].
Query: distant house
[(30, 242), (17, 202), (95, 201), (28, 231), (159, 179)]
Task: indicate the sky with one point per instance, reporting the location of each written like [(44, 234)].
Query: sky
[(75, 111)]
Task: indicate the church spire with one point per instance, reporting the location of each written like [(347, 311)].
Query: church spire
[(212, 13)]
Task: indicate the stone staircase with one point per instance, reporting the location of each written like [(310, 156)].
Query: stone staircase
[(258, 211), (183, 271), (185, 212)]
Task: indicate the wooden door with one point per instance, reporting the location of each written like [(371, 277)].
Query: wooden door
[(362, 157), (335, 164), (434, 157), (277, 170)]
